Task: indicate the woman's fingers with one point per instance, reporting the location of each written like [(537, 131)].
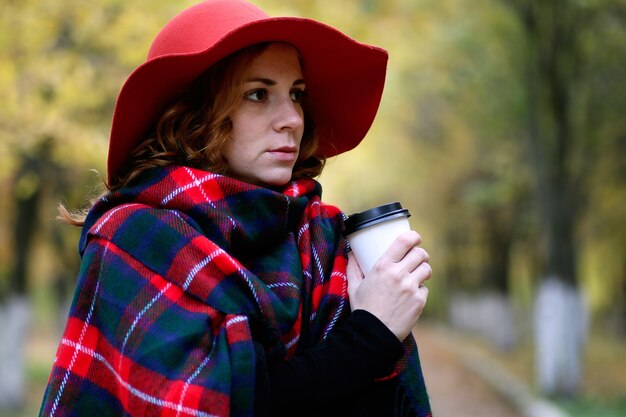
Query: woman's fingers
[(414, 258), (422, 273), (353, 274), (411, 256), (402, 245), (353, 268), (394, 289)]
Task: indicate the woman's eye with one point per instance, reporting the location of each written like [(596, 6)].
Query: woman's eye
[(257, 95), (298, 95)]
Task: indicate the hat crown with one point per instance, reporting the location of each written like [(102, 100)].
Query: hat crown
[(201, 26)]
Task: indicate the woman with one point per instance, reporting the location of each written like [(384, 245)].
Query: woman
[(214, 281)]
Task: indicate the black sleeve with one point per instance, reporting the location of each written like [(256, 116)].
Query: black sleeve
[(355, 353)]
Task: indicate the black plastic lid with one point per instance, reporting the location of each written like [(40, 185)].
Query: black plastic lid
[(358, 221)]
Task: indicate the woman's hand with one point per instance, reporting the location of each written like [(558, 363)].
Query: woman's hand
[(394, 289)]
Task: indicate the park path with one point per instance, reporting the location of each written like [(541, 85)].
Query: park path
[(454, 389)]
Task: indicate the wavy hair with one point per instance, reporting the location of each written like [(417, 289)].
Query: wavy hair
[(194, 128)]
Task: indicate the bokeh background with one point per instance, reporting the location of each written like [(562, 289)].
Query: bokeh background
[(501, 129)]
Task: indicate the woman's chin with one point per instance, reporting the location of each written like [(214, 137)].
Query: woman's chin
[(269, 180)]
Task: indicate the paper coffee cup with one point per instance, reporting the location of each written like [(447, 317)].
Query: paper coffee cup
[(371, 232)]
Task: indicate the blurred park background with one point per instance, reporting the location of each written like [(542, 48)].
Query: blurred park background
[(502, 129)]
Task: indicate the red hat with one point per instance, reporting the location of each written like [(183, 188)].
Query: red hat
[(345, 78)]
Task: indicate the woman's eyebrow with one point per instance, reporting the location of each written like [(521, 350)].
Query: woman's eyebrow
[(270, 82)]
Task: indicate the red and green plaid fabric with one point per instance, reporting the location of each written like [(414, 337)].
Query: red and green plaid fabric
[(174, 271)]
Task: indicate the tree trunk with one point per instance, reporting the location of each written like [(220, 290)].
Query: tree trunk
[(488, 314), (498, 237), (485, 307), (553, 55), (14, 322), (560, 324), (27, 194)]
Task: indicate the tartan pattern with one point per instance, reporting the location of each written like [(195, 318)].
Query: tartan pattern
[(174, 271)]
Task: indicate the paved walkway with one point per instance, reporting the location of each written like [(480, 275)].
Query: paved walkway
[(464, 381), (455, 390)]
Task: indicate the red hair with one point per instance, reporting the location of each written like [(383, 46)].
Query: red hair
[(194, 128)]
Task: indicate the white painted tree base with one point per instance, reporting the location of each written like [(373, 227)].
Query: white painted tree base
[(560, 326), (487, 314), (15, 315)]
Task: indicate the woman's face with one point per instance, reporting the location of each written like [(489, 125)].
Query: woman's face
[(267, 126)]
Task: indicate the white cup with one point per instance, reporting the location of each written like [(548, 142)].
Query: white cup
[(372, 231)]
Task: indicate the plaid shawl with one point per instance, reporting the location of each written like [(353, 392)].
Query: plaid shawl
[(174, 271)]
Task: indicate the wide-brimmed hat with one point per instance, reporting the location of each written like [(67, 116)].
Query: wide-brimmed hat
[(344, 78)]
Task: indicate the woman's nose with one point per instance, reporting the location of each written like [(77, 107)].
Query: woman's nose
[(289, 115)]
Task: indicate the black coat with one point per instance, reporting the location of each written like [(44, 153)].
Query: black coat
[(349, 374)]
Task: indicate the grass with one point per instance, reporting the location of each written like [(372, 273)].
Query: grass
[(604, 385), (594, 407)]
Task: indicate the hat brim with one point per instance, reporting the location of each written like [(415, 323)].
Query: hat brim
[(345, 80)]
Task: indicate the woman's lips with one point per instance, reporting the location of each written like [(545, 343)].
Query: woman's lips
[(285, 153)]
